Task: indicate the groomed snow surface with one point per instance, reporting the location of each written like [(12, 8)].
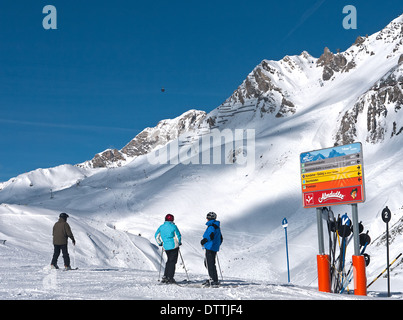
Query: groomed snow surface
[(114, 264), (26, 273)]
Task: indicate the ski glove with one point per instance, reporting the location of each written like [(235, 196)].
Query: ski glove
[(204, 241)]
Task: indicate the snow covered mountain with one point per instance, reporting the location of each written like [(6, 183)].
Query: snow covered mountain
[(147, 140), (370, 70), (297, 104)]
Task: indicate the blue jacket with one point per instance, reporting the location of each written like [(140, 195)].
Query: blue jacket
[(212, 237), (168, 234)]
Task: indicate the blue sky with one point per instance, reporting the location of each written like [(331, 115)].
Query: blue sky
[(95, 82)]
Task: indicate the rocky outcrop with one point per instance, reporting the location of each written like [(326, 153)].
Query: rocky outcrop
[(260, 92), (165, 131), (106, 158), (381, 106), (147, 140), (332, 63), (256, 85)]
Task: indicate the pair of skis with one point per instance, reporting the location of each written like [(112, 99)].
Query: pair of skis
[(340, 235), (197, 284)]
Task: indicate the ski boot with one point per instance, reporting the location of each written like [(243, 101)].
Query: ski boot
[(170, 281), (210, 283)]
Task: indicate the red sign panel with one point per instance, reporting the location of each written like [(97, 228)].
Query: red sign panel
[(334, 196)]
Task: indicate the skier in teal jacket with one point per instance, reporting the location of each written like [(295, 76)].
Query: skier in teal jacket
[(168, 236)]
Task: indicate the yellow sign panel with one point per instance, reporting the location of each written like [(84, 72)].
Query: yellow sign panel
[(332, 174)]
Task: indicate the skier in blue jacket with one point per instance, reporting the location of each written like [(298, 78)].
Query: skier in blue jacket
[(170, 238), (212, 239)]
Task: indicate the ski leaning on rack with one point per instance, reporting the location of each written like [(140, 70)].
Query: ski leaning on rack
[(340, 235), (365, 240)]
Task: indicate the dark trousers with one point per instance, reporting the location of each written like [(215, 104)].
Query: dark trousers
[(210, 265), (172, 256), (56, 254)]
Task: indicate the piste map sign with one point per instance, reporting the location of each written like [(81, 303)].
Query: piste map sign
[(332, 176)]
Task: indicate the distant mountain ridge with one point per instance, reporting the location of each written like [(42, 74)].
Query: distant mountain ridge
[(366, 81)]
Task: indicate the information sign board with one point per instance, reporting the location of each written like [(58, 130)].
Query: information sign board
[(332, 176)]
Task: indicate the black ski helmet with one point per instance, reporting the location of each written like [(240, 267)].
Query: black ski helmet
[(169, 217), (64, 215), (211, 216)]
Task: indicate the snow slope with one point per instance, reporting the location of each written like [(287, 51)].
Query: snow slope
[(115, 211)]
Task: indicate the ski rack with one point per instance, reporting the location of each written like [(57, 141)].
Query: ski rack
[(323, 260)]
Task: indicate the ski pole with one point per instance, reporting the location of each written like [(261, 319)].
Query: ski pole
[(159, 274), (384, 270), (74, 256), (183, 262), (219, 266)]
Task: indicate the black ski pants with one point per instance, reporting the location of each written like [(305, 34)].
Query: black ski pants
[(56, 254), (210, 265), (172, 256)]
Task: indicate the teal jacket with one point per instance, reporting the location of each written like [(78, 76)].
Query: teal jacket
[(168, 235)]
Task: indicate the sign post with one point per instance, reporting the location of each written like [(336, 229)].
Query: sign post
[(359, 264), (323, 260), (285, 225), (334, 176), (386, 215)]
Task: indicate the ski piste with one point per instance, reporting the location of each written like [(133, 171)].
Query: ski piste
[(340, 235)]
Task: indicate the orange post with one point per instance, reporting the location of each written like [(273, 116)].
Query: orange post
[(360, 278), (324, 282)]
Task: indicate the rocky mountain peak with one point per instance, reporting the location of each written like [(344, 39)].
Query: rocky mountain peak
[(147, 140), (380, 108), (281, 88), (332, 63)]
